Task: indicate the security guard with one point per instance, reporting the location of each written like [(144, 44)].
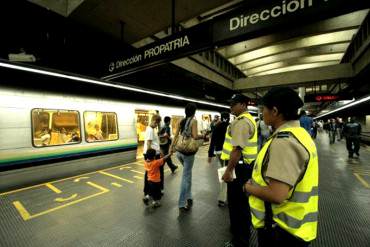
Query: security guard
[(239, 152), (284, 186)]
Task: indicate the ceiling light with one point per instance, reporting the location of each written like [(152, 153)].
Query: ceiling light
[(103, 83), (353, 103)]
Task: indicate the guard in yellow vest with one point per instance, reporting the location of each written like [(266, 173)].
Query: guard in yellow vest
[(283, 191), (239, 151)]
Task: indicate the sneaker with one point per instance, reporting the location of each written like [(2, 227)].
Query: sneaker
[(357, 154), (146, 199), (190, 203), (350, 156), (156, 204), (221, 204), (162, 192), (174, 168)]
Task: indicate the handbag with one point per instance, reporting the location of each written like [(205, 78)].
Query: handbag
[(185, 143)]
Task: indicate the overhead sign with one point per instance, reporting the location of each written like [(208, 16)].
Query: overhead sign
[(189, 41), (241, 24), (324, 98), (251, 21)]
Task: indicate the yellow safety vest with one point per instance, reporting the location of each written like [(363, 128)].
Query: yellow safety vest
[(250, 151), (297, 214)]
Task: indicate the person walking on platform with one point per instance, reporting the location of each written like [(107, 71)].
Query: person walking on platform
[(165, 142), (283, 191), (152, 141), (189, 127), (239, 152), (217, 141), (152, 167), (352, 132), (332, 130), (306, 122)]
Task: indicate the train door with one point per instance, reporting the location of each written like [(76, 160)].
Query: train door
[(175, 123), (143, 118)]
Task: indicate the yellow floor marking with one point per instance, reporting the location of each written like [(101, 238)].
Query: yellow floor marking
[(53, 188), (116, 184), (364, 183), (142, 173), (61, 199), (26, 216), (22, 211), (60, 180), (138, 177), (126, 167), (79, 179), (117, 177), (139, 164)]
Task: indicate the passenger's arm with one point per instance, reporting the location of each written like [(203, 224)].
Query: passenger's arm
[(171, 149), (149, 144), (235, 155), (194, 131), (276, 192)]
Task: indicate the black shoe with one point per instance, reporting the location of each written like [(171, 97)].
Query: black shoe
[(184, 209), (357, 154), (190, 203), (173, 169), (221, 204), (350, 156)]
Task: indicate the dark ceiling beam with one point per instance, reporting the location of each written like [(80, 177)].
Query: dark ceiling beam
[(327, 73)]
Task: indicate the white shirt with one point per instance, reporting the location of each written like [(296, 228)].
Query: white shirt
[(151, 135)]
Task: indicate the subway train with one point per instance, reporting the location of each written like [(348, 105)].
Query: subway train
[(38, 127)]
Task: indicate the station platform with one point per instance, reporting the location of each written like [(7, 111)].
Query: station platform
[(105, 208)]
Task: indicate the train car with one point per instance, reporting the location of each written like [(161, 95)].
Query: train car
[(37, 127)]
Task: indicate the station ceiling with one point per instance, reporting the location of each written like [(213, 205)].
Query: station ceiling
[(139, 22)]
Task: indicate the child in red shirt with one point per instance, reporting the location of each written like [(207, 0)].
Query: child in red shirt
[(152, 166)]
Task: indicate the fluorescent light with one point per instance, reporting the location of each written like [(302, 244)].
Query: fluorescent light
[(353, 103), (103, 83)]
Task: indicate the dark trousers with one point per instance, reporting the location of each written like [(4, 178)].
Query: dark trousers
[(146, 184), (239, 212), (332, 136), (165, 149), (353, 145), (155, 190), (277, 237)]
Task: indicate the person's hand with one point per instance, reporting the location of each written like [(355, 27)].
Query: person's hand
[(228, 176), (247, 186)]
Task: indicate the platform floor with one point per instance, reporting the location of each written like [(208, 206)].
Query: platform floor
[(104, 208)]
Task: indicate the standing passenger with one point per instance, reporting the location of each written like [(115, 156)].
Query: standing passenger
[(165, 142), (284, 185), (239, 152), (152, 141), (187, 125), (218, 139)]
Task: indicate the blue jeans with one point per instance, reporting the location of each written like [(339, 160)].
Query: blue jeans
[(185, 191)]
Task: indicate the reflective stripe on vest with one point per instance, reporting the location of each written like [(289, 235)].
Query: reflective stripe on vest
[(298, 214), (249, 152)]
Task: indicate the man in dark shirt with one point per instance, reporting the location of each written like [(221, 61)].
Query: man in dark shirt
[(352, 132)]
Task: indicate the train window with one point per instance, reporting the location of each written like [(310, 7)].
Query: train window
[(100, 126), (55, 127)]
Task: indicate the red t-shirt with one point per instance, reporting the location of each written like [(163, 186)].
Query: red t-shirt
[(152, 167)]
